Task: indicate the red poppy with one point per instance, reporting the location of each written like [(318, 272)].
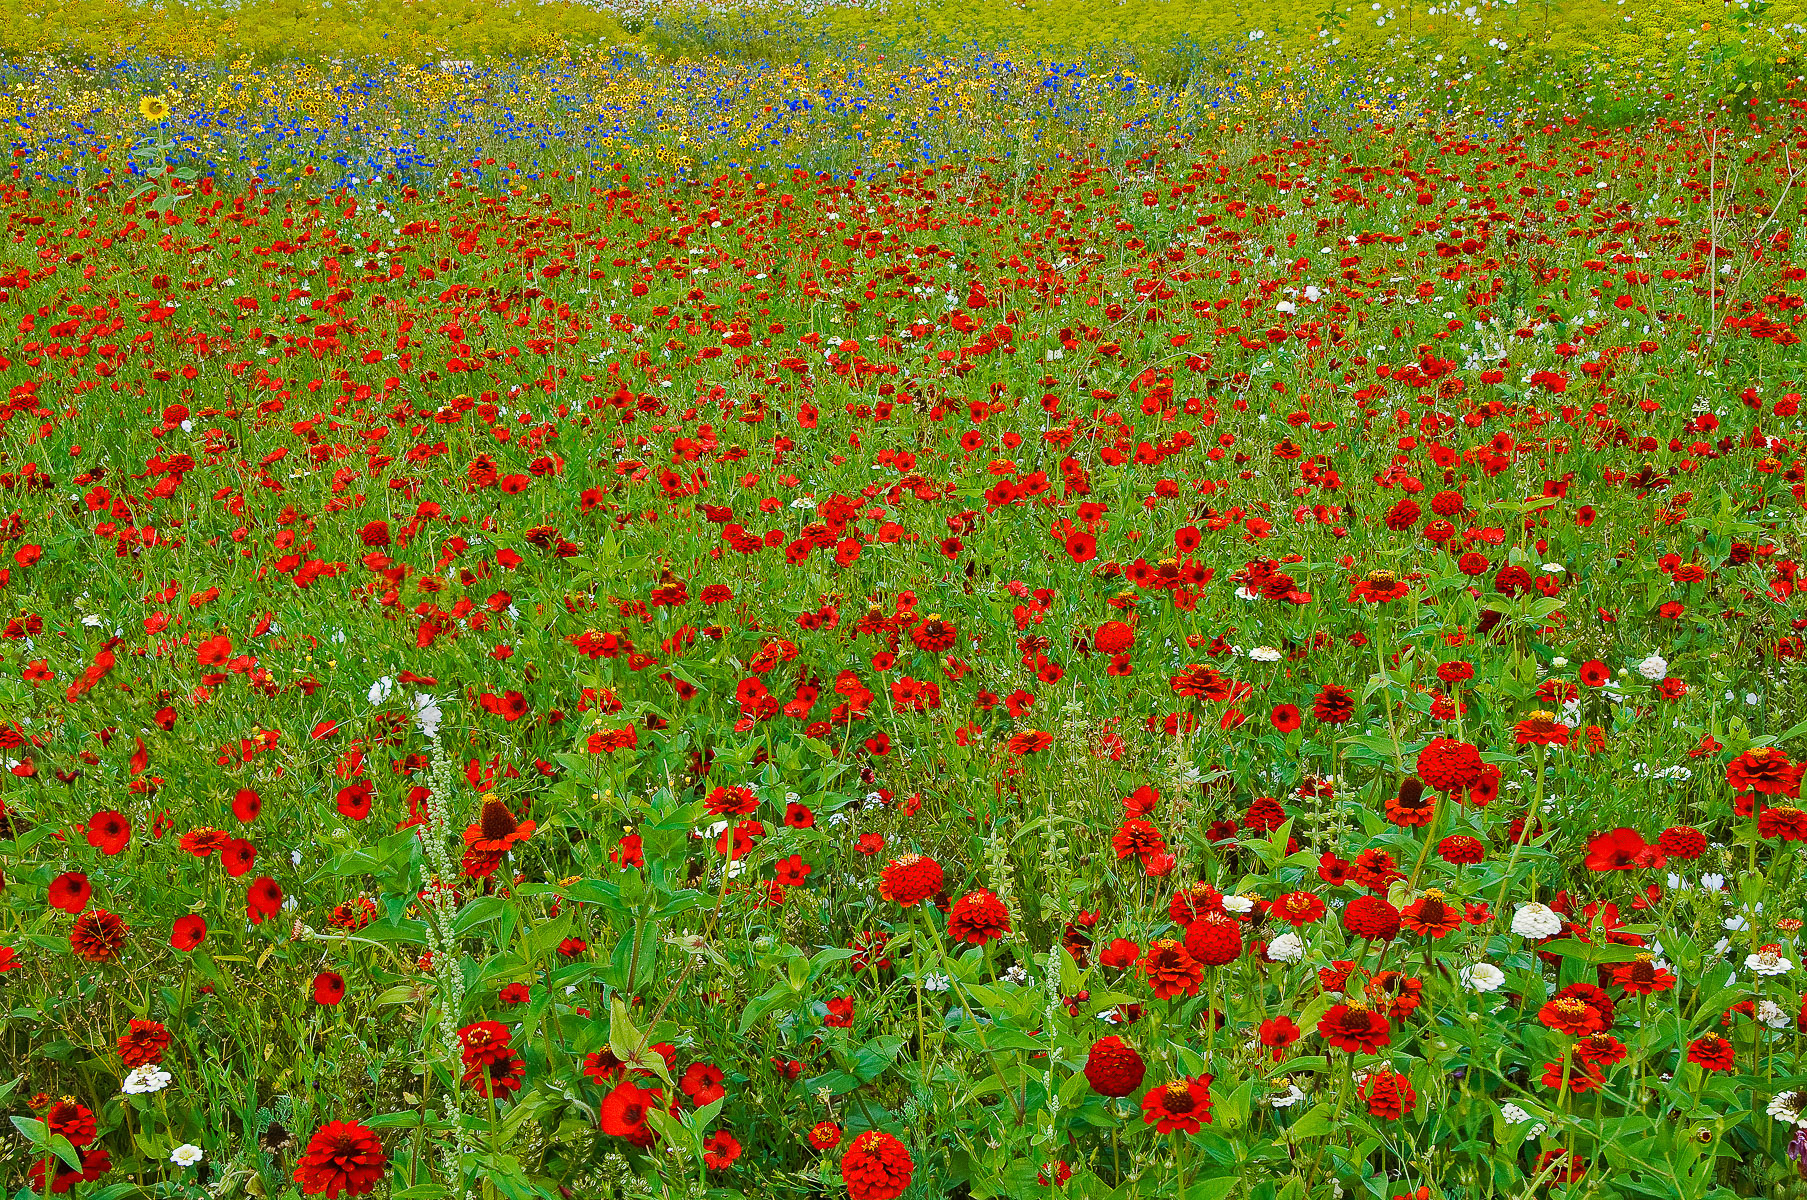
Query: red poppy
[(189, 931), (329, 988), (109, 831), (623, 1112), (70, 892)]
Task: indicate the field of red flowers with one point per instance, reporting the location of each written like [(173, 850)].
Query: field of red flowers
[(1263, 671)]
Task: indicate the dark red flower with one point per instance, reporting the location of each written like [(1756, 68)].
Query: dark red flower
[(1113, 1067), (342, 1157), (1183, 1104)]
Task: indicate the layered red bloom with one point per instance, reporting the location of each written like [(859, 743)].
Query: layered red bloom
[(1214, 940), (1431, 916), (342, 1158), (1767, 771), (143, 1043), (1449, 765), (876, 1166), (1277, 1033), (1571, 1016), (1183, 1104), (910, 880), (1371, 917), (1388, 1095), (1297, 908), (1682, 841), (98, 936), (1113, 1067), (1541, 729), (1333, 705), (1789, 824), (74, 1121), (1458, 849), (1712, 1052), (1354, 1028), (1171, 970), (977, 918)]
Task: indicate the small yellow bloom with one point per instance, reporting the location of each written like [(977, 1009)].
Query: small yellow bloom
[(153, 108)]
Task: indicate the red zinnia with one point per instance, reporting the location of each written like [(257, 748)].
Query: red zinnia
[(1297, 908), (1682, 841), (1371, 917), (1712, 1052), (910, 880), (1214, 940), (98, 936), (1448, 765), (1765, 769), (1333, 705), (1171, 970), (143, 1043), (977, 918), (1113, 1067), (1388, 1095), (1355, 1029), (74, 1121), (1182, 1105), (876, 1167), (1459, 849), (341, 1157)]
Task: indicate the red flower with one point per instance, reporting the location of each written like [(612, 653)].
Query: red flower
[(1641, 978), (1277, 1033), (1621, 850), (1388, 1095), (70, 892), (496, 831), (98, 936), (1171, 970), (1449, 765), (341, 1157), (263, 899), (1297, 908), (1182, 1104), (1787, 823), (188, 932), (1333, 705), (1571, 1016), (825, 1135), (74, 1121), (109, 831), (1767, 770), (1138, 837), (1113, 1067), (329, 988), (977, 918), (143, 1043), (1030, 741), (876, 1167), (1286, 718), (1712, 1052), (910, 879), (1541, 729), (622, 1112), (1355, 1029), (702, 1082), (1459, 849), (484, 1043), (1431, 916), (720, 1149), (1371, 917), (1682, 841), (1214, 940)]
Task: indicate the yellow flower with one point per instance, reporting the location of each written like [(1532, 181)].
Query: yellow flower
[(153, 108)]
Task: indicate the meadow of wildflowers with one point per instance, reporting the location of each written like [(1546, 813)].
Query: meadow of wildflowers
[(596, 609)]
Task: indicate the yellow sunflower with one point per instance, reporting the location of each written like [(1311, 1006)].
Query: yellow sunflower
[(153, 108)]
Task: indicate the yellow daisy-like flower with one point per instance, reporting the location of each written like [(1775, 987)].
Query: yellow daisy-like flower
[(153, 108)]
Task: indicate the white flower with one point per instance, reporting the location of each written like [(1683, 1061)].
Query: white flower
[(185, 1155), (1514, 1115), (1771, 1014), (1653, 668), (1016, 974), (145, 1080), (1291, 1096), (1238, 904), (1536, 921), (936, 983), (379, 691), (1555, 569), (1287, 948), (1264, 654), (1767, 962), (1789, 1107), (427, 715), (803, 502), (1713, 883), (1284, 306), (1483, 977)]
